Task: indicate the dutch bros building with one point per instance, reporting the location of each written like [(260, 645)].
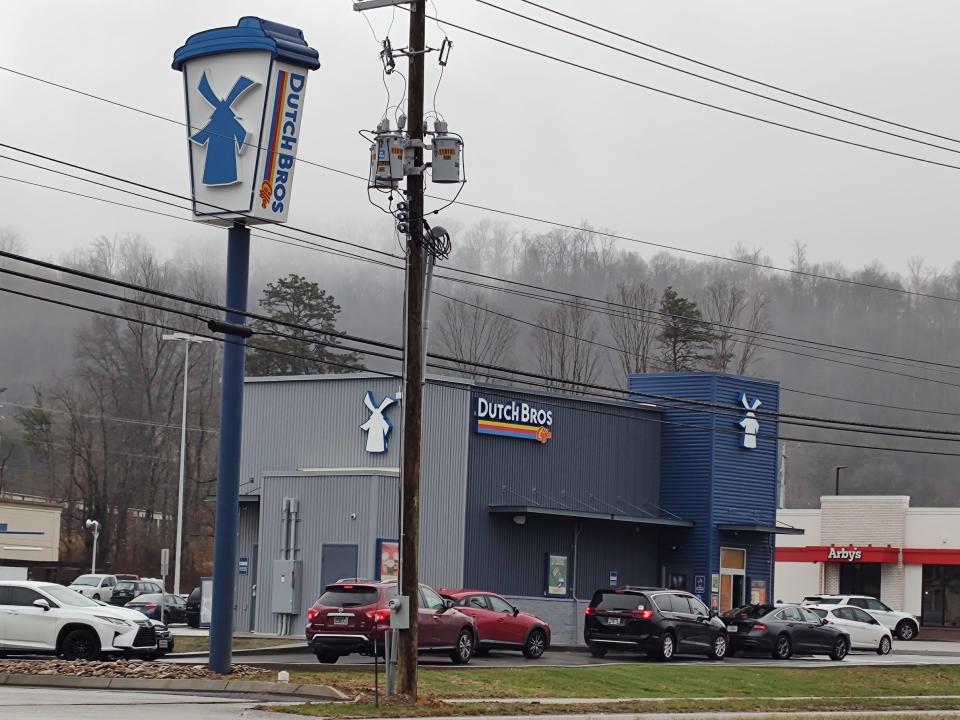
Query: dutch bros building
[(542, 497)]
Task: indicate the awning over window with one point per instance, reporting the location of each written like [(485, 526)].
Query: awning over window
[(588, 515), (759, 528)]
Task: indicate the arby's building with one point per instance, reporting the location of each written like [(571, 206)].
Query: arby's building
[(878, 545)]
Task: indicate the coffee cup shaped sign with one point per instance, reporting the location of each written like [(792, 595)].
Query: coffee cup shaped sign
[(245, 88)]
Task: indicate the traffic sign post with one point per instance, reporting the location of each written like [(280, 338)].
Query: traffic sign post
[(164, 571)]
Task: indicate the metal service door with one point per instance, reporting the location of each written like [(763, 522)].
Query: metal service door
[(337, 562)]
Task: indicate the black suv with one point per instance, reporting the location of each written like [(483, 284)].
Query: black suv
[(193, 608), (660, 622), (127, 590)]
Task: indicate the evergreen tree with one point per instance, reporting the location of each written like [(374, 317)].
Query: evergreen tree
[(685, 338), (294, 299)]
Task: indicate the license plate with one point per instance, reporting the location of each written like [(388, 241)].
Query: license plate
[(732, 628), (162, 644), (613, 621), (340, 620)]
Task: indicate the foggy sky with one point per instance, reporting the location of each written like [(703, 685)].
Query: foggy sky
[(540, 138)]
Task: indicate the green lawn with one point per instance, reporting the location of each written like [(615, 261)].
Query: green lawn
[(333, 710), (666, 681), (200, 643)]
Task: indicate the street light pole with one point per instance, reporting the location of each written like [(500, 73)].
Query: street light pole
[(187, 339), (838, 469), (95, 526)]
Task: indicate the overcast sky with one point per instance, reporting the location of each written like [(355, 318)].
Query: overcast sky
[(541, 138)]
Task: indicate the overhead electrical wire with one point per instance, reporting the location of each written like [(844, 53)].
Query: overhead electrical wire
[(337, 252), (692, 405), (548, 385), (604, 307), (706, 78), (739, 76), (525, 216)]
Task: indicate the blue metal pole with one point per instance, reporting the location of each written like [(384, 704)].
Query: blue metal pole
[(228, 476)]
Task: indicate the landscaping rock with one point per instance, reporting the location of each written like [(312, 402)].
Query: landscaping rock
[(121, 669)]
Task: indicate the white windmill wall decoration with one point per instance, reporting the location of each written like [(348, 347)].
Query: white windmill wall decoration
[(750, 424), (378, 426)]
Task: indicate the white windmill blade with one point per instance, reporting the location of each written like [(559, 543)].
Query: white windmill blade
[(368, 401), (385, 403)]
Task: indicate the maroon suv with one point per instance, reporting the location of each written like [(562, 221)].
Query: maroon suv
[(353, 617)]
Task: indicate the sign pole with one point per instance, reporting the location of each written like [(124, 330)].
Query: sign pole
[(228, 477)]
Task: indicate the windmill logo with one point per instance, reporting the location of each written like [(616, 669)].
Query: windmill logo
[(750, 424), (377, 427), (224, 135)]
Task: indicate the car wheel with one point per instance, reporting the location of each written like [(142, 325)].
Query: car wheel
[(327, 658), (782, 648), (464, 650), (885, 646), (80, 644), (598, 652), (906, 630), (840, 649), (668, 646), (718, 648), (536, 645)]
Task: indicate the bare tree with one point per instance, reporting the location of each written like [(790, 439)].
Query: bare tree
[(738, 319), (758, 323), (631, 316), (471, 331), (566, 349)]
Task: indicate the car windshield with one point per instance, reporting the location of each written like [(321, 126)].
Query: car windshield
[(151, 598), (348, 595), (618, 602), (65, 596), (751, 612), (88, 580)]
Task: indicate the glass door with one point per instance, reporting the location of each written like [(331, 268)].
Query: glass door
[(733, 571)]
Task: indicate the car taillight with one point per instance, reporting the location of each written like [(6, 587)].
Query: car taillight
[(642, 614), (312, 614), (151, 606), (759, 626), (379, 616), (591, 611)]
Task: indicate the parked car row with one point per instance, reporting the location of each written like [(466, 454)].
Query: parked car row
[(904, 625)]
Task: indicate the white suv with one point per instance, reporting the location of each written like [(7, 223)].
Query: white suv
[(95, 587), (903, 624), (46, 618)]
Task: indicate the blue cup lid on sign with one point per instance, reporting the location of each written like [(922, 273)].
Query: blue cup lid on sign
[(251, 33)]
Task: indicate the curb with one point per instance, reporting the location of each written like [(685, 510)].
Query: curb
[(323, 692)]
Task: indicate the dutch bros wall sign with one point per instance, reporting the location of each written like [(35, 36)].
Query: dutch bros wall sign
[(513, 419), (244, 89)]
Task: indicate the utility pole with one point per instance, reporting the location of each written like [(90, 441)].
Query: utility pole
[(413, 390)]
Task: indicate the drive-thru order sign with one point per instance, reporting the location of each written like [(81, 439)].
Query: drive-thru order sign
[(245, 88)]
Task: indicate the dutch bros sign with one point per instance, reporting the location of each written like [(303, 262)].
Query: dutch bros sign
[(244, 88)]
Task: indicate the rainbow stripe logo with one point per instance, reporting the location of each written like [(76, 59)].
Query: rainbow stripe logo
[(270, 166), (540, 433)]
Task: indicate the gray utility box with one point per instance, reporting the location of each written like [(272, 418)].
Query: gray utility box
[(285, 582)]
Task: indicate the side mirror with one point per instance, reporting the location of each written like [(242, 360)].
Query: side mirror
[(447, 604), (516, 611), (41, 603), (713, 613), (824, 621)]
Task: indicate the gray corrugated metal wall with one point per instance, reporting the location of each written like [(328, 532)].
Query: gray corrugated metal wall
[(315, 423), (608, 451)]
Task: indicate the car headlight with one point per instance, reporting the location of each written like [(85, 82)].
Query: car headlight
[(112, 620)]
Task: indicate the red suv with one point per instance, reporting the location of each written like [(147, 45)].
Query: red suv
[(500, 624), (353, 617)]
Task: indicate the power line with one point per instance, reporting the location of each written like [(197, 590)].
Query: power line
[(693, 405), (547, 385), (737, 75), (528, 217), (685, 98), (321, 248), (706, 78), (833, 348), (106, 418)]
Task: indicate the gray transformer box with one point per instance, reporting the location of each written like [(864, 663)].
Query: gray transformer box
[(285, 586)]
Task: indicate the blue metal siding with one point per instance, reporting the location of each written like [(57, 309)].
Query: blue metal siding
[(707, 474), (602, 458)]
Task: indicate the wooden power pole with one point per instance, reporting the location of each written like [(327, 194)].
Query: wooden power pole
[(413, 389)]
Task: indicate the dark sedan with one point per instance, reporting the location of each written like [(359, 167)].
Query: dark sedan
[(193, 608), (174, 611), (127, 590), (784, 630)]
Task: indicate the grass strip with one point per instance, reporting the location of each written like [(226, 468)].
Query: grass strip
[(666, 681), (437, 708)]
